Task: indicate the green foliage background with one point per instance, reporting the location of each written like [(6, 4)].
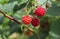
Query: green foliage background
[(14, 8)]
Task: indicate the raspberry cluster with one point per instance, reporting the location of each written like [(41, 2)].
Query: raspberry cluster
[(27, 19)]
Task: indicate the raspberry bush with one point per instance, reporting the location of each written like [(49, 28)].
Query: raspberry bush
[(29, 19)]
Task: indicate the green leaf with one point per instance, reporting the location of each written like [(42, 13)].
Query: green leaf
[(19, 7), (19, 15), (3, 1), (55, 30), (57, 2), (18, 1), (54, 10), (8, 7)]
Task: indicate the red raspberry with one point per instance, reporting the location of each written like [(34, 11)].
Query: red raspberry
[(26, 19), (35, 22), (40, 11)]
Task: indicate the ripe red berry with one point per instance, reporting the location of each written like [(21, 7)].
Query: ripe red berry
[(26, 19), (35, 22), (40, 11)]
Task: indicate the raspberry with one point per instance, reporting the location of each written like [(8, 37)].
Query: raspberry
[(26, 19), (35, 22), (40, 11)]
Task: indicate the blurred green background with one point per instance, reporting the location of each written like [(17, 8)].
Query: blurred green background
[(15, 8)]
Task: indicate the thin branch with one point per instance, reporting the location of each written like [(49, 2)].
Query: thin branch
[(11, 18)]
